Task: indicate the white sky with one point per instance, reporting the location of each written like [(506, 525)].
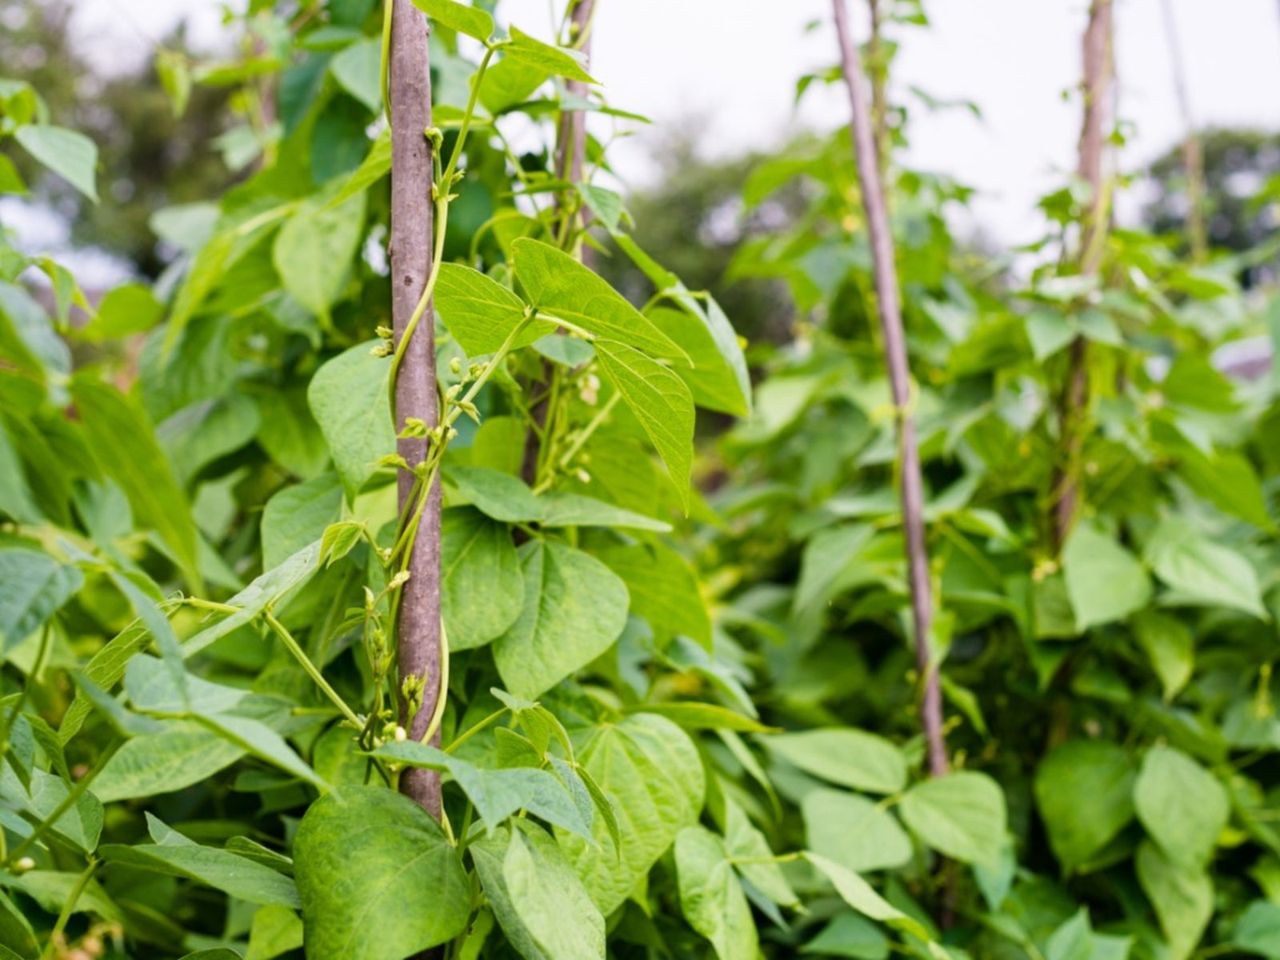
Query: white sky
[(731, 65)]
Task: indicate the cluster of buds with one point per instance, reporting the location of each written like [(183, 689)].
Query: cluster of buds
[(386, 345), (412, 689), (589, 389)]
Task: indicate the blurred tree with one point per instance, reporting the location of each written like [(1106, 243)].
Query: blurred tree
[(150, 157), (1238, 165)]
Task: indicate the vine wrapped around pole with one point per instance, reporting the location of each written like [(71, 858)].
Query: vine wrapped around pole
[(418, 629), (912, 488)]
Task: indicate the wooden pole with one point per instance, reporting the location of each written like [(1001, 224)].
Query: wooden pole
[(418, 630), (912, 485), (1192, 155)]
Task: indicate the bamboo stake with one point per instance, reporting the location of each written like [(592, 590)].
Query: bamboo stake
[(1192, 155), (886, 285), (418, 632)]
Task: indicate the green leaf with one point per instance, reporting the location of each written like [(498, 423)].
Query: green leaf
[(126, 310), (297, 516), (851, 758), (702, 716), (477, 560), (115, 423), (275, 930), (1104, 581), (507, 498), (497, 794), (472, 21), (849, 935), (650, 771), (718, 379), (357, 68), (1258, 930), (33, 586), (750, 853), (1182, 805), (177, 756), (265, 744), (961, 815), (480, 312), (858, 894), (80, 825), (660, 401), (558, 285), (69, 154), (16, 932), (1202, 572), (663, 588), (855, 832), (711, 897), (1182, 895), (1084, 790), (574, 609), (555, 61), (291, 435), (176, 855), (348, 398), (1170, 647), (313, 252), (377, 878), (538, 899)]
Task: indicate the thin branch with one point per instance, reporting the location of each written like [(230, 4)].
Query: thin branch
[(912, 486), (1192, 155), (418, 628)]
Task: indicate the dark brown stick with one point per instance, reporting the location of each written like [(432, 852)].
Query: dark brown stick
[(418, 633), (886, 284), (1093, 134), (1192, 156), (879, 97)]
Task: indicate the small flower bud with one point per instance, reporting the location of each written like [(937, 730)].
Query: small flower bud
[(401, 734), (23, 864), (455, 365)]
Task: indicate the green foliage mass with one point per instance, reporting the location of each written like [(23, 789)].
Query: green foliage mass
[(673, 724)]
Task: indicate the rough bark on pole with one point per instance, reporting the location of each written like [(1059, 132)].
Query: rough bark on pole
[(1093, 136), (418, 633), (1192, 156), (886, 286)]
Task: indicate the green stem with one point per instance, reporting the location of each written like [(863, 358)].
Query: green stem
[(484, 724), (312, 670), (580, 441), (51, 948)]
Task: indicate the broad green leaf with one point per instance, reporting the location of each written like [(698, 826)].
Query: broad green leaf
[(561, 287), (711, 897), (268, 589), (152, 687), (1202, 572), (1228, 480), (497, 794), (849, 935), (1170, 647), (375, 166), (1182, 895), (348, 398), (80, 825), (290, 434), (1258, 929), (718, 378), (858, 894), (176, 855), (115, 423), (202, 433), (462, 17), (539, 901), (508, 498), (264, 743), (1084, 790), (275, 930), (33, 586), (555, 61), (509, 83), (175, 757), (750, 853), (660, 401), (297, 516), (855, 832), (481, 585), (126, 310), (692, 715), (16, 932), (574, 609), (357, 70), (851, 758), (52, 889), (481, 313), (377, 878), (663, 588), (69, 154), (1181, 804), (1104, 581), (313, 252), (650, 771), (961, 815)]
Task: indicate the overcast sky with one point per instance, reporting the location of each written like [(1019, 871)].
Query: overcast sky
[(731, 66)]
